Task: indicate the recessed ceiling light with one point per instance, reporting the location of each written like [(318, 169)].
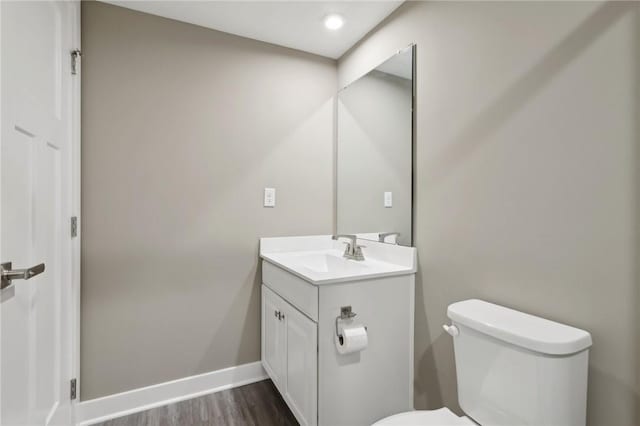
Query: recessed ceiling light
[(333, 21)]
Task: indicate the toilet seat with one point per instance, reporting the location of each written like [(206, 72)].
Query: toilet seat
[(440, 417)]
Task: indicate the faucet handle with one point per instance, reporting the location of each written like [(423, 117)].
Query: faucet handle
[(353, 250), (349, 244)]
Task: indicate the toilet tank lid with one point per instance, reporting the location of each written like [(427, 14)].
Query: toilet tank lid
[(520, 329)]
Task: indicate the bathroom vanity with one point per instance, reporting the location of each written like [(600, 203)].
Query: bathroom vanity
[(308, 287)]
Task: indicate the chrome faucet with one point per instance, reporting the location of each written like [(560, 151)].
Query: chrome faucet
[(353, 251), (383, 236)]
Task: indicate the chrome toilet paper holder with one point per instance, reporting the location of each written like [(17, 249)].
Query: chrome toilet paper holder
[(345, 313)]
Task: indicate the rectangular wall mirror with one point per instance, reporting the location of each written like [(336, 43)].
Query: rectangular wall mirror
[(375, 152)]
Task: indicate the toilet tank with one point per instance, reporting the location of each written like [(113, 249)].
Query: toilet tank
[(518, 369)]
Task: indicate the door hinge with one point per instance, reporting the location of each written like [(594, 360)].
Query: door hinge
[(73, 393), (74, 226), (75, 55)]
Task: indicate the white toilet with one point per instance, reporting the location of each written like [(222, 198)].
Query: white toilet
[(513, 369)]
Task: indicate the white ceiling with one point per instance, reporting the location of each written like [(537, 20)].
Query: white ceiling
[(295, 24)]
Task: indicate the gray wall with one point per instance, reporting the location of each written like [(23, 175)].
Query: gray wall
[(528, 132), (374, 156), (182, 128)]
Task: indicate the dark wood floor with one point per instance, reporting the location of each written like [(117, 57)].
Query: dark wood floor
[(257, 404)]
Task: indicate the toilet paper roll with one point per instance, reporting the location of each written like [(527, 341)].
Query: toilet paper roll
[(354, 339)]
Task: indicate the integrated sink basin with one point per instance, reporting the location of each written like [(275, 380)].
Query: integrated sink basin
[(324, 262), (319, 259)]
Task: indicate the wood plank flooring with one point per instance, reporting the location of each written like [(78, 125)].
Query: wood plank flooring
[(257, 404)]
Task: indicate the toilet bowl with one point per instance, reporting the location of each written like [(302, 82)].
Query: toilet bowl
[(439, 417), (512, 369)]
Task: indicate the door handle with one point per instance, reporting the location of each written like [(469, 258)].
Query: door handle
[(8, 275)]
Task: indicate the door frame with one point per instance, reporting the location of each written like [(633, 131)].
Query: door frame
[(75, 207), (1, 124)]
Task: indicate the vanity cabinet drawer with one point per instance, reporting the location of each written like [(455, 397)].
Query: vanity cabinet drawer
[(291, 288)]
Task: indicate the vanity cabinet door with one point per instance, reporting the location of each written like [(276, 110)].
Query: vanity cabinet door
[(302, 366), (274, 338)]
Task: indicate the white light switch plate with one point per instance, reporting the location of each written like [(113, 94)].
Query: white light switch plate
[(269, 197), (388, 199)]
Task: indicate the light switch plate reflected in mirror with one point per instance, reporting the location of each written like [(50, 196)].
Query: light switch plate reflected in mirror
[(388, 199)]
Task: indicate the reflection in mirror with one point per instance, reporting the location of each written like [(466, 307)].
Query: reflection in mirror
[(374, 153)]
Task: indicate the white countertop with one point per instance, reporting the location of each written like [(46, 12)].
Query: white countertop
[(319, 259)]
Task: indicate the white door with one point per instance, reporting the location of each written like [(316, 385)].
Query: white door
[(302, 366), (38, 106)]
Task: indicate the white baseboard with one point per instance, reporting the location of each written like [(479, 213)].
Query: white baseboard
[(136, 400)]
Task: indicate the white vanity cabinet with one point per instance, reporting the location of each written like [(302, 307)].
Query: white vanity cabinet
[(290, 355), (306, 281)]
